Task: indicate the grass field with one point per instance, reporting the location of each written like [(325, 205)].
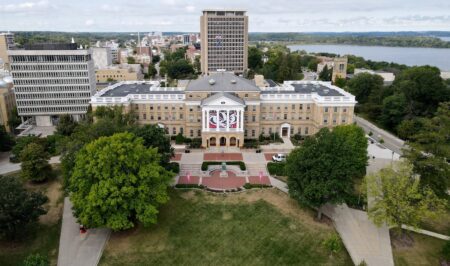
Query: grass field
[(198, 228), (425, 251), (43, 237)]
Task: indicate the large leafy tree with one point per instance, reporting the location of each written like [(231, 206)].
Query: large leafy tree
[(396, 197), (324, 168), (35, 166), (326, 74), (154, 136), (117, 181), (423, 89), (363, 85), (429, 151), (394, 110), (254, 58), (66, 125), (18, 207), (6, 140)]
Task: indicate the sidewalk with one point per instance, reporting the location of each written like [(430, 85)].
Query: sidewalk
[(75, 250), (7, 167)]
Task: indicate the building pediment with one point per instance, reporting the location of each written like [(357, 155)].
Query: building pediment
[(223, 99)]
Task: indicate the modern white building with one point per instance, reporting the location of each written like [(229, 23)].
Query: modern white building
[(102, 57), (51, 80), (388, 77)]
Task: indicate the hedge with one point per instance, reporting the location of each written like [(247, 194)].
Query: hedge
[(277, 168), (174, 167), (189, 186), (208, 163), (250, 186)]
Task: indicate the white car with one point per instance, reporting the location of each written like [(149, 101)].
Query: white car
[(279, 157)]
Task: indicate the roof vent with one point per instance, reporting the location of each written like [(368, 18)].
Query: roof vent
[(212, 82), (233, 81)]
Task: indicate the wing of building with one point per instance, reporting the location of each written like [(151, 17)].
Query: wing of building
[(224, 109)]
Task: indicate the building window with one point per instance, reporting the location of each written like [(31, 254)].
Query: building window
[(308, 107), (144, 116), (199, 133), (306, 130), (159, 118), (191, 133), (270, 130), (254, 118), (137, 107), (299, 130), (343, 120), (335, 109), (253, 133), (254, 108), (325, 120), (181, 130), (181, 116), (245, 133), (334, 120), (292, 130), (301, 106), (151, 107), (174, 131), (344, 110), (190, 109), (263, 131), (326, 109), (151, 117), (246, 95), (293, 107), (285, 116), (307, 118)]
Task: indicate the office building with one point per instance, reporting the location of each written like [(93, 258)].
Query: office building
[(6, 43), (224, 109), (51, 80), (102, 57), (224, 41), (7, 100)]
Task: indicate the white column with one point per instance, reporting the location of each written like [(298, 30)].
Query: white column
[(242, 120), (203, 120), (228, 120), (238, 120), (217, 121), (207, 122)]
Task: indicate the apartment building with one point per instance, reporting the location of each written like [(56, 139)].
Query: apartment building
[(51, 80), (224, 41), (7, 100), (224, 109), (6, 43)]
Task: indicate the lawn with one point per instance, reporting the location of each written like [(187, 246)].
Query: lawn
[(260, 227), (425, 251), (41, 238)]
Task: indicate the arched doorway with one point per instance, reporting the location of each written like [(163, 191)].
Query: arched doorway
[(285, 130), (233, 141), (212, 141), (223, 141)]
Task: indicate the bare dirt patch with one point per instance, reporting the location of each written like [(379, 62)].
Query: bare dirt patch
[(54, 206)]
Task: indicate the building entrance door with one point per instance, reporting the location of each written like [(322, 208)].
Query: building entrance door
[(284, 132), (223, 141)]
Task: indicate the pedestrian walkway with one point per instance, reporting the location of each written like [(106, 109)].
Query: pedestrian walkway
[(7, 167), (75, 250)]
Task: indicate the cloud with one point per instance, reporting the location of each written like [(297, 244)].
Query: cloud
[(89, 22), (24, 6), (190, 8)]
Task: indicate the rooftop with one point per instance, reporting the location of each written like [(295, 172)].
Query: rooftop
[(123, 89), (222, 82), (305, 88)]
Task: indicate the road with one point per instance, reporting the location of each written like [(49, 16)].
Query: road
[(390, 141)]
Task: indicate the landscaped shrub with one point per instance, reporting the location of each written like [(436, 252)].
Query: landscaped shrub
[(276, 168), (251, 143), (208, 163), (174, 167), (196, 143), (36, 260), (250, 186), (297, 139), (446, 251), (189, 186), (179, 139)]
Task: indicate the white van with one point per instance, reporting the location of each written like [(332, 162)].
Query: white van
[(279, 157)]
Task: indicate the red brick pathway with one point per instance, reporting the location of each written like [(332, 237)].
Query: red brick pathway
[(217, 182), (223, 157), (176, 157), (269, 156), (256, 180), (191, 180)]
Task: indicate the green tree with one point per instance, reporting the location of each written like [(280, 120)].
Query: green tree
[(66, 125), (35, 166), (154, 136), (18, 207), (197, 65), (333, 244), (393, 111), (363, 85), (324, 168), (14, 120), (36, 260), (152, 71), (118, 181), (423, 89), (156, 59), (6, 140), (326, 74), (340, 82), (397, 197), (429, 150), (21, 142), (131, 60), (254, 58), (180, 69), (409, 127)]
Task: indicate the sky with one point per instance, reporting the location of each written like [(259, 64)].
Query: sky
[(264, 15)]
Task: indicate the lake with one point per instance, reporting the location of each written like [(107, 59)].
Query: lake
[(410, 56)]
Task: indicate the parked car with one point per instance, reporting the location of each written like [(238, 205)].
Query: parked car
[(279, 157)]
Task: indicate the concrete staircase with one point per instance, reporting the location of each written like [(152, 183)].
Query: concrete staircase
[(195, 169)]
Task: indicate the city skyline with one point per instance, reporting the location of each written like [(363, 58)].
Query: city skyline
[(177, 15)]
